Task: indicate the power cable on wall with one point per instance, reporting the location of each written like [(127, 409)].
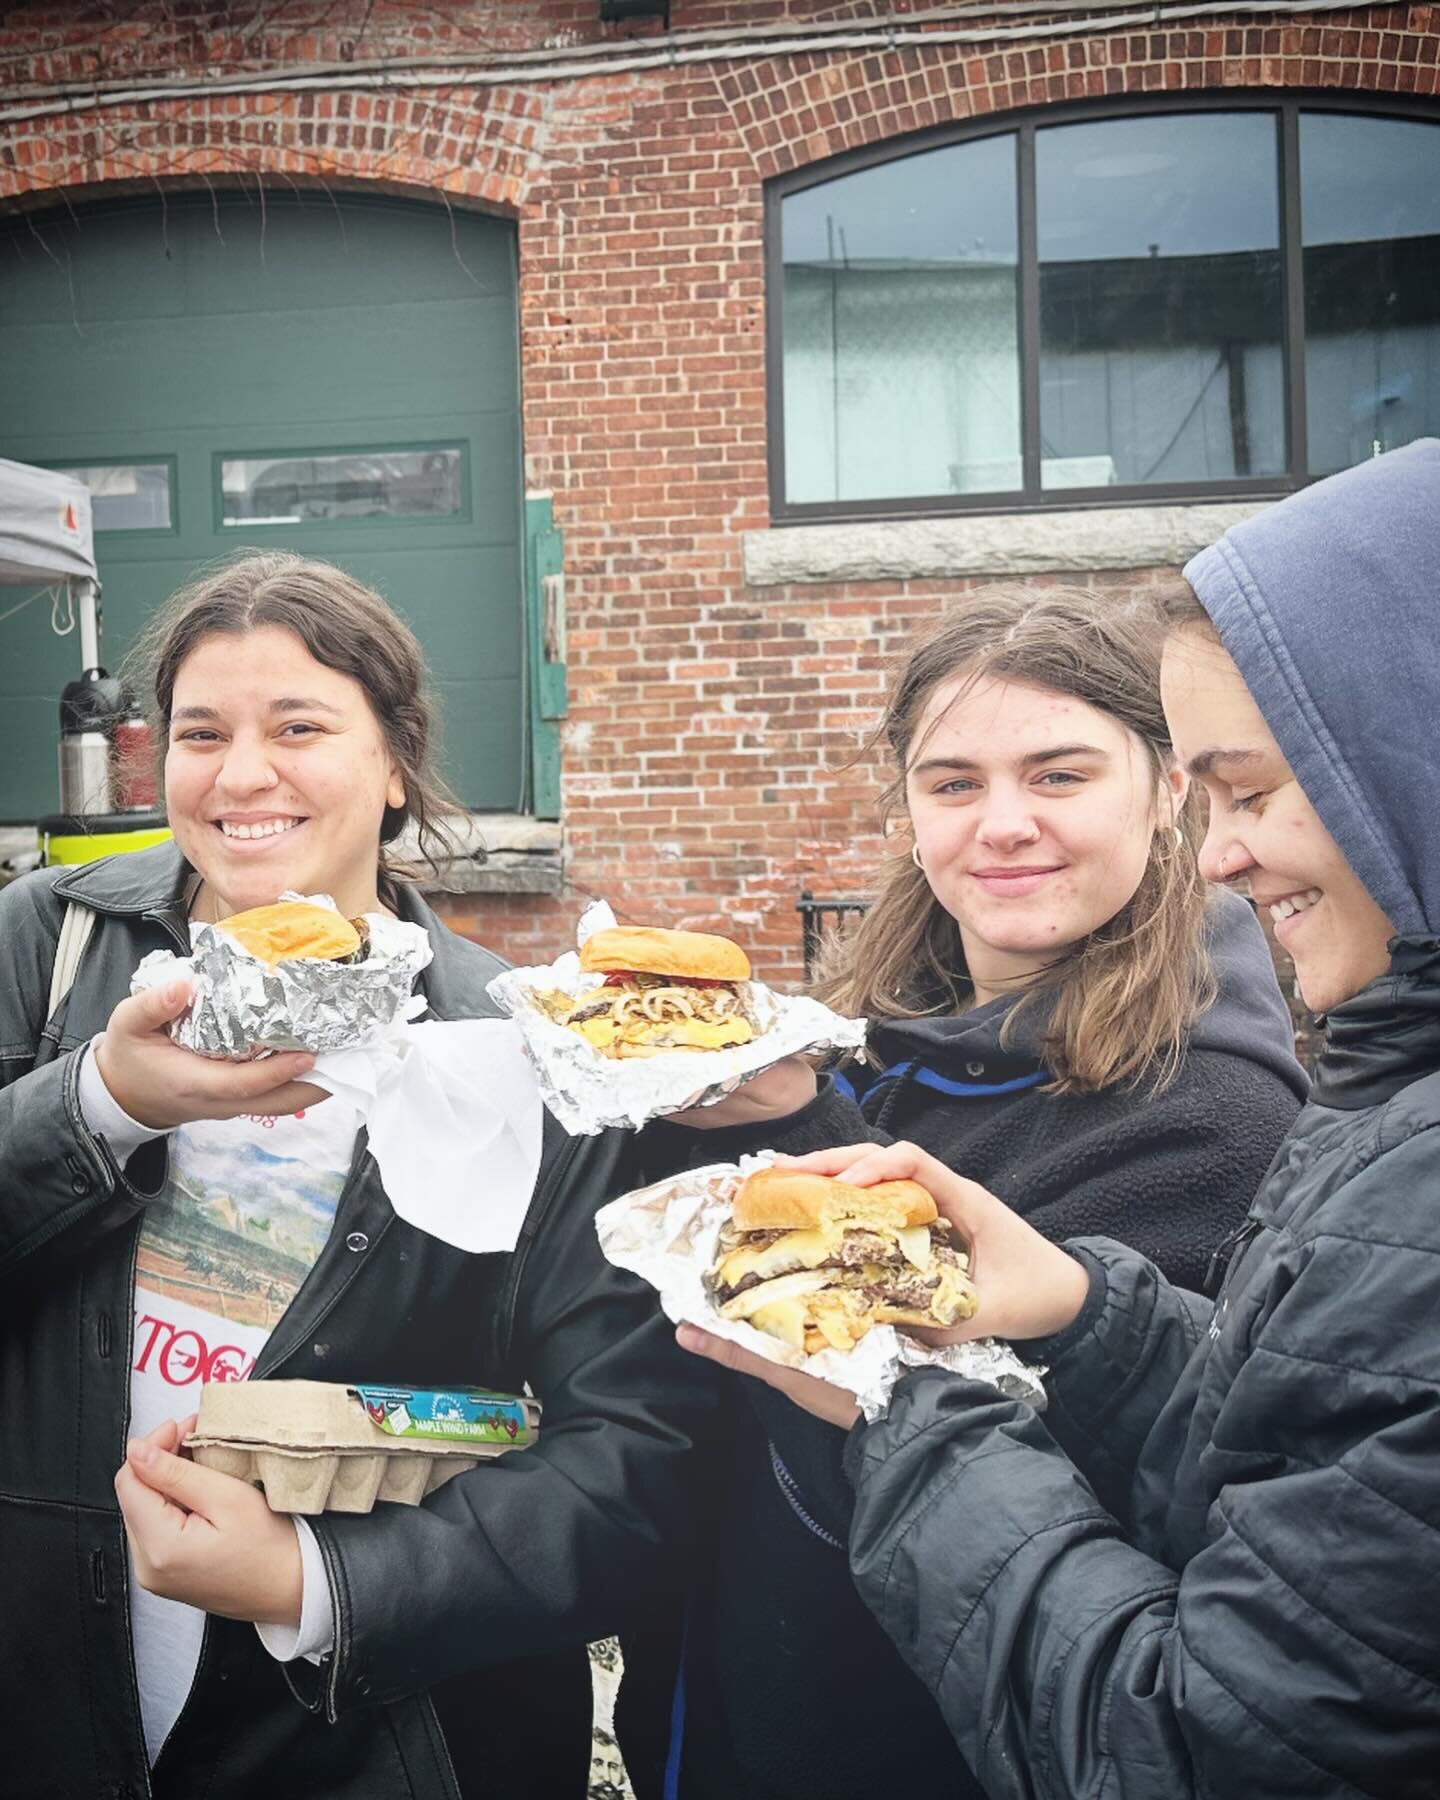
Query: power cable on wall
[(460, 71), (606, 49)]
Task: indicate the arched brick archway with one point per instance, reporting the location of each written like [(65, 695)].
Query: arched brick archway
[(804, 109), (428, 143)]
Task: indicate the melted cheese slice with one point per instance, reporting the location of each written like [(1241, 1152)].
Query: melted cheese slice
[(783, 1319), (796, 1250), (784, 1287)]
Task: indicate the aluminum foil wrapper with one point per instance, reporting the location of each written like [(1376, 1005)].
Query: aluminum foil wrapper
[(667, 1234), (243, 1006), (588, 1092)]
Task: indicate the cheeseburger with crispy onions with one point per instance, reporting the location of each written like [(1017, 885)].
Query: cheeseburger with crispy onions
[(817, 1262), (663, 990)]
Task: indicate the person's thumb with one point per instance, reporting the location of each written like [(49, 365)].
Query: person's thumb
[(153, 1008), (198, 1490)]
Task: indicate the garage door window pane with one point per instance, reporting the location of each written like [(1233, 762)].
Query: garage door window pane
[(1370, 223), (128, 496), (900, 346), (1160, 300), (342, 484)]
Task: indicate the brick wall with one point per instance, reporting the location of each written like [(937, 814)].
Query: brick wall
[(709, 723)]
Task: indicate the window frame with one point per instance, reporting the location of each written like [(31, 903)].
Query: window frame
[(1023, 123), (373, 521)]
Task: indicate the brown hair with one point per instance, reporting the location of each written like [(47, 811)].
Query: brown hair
[(1178, 606), (1122, 1000), (344, 625)]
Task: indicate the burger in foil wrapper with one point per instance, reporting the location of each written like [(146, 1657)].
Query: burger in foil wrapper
[(294, 976), (642, 1022), (683, 1237)]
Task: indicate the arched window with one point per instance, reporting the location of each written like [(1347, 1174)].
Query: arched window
[(1224, 299)]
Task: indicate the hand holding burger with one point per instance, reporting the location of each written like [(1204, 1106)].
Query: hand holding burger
[(1026, 1287)]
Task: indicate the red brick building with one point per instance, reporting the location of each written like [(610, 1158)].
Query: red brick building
[(781, 421)]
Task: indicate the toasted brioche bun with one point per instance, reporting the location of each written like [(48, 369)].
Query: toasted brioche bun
[(292, 928), (782, 1199), (651, 951)]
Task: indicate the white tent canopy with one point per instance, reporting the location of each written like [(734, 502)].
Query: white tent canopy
[(46, 536), (45, 528)]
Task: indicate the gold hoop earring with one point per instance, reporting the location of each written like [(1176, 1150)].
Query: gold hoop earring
[(1179, 837), (915, 858)]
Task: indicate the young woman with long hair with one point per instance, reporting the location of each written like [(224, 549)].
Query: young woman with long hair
[(1059, 1007), (167, 1219), (1209, 1567)]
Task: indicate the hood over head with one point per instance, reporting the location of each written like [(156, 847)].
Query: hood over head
[(1329, 603)]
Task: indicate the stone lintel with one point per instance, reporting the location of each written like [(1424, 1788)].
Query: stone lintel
[(995, 544)]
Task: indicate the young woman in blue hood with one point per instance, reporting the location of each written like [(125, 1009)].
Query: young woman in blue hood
[(1059, 1010), (1211, 1568)]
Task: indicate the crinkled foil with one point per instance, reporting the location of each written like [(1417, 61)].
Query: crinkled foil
[(588, 1092), (667, 1234), (243, 1006)]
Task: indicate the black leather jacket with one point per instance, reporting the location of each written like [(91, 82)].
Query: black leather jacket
[(505, 1572), (1230, 1590)]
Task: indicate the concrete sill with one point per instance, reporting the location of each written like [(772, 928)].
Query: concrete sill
[(500, 853), (497, 853), (999, 544)]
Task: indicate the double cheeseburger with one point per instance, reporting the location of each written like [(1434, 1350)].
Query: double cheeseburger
[(663, 990), (293, 928), (817, 1262)]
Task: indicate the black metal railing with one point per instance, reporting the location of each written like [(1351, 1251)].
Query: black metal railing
[(812, 915)]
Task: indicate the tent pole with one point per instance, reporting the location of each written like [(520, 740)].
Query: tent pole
[(88, 595)]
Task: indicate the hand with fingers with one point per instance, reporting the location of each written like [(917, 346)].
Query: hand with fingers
[(784, 1088), (161, 1085), (206, 1538), (1027, 1286)]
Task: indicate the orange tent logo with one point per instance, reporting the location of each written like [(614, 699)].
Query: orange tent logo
[(68, 521)]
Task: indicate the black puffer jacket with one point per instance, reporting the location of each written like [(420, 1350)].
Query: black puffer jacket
[(1231, 1590), (484, 1595), (775, 1626)]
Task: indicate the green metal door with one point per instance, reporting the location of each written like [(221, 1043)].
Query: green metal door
[(334, 376)]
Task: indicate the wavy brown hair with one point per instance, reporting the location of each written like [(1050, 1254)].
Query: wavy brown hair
[(344, 625), (1118, 1005)]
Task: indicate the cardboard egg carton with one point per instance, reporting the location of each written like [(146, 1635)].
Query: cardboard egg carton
[(312, 1446)]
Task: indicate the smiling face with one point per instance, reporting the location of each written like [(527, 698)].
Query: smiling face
[(1033, 814), (1263, 832), (277, 774)]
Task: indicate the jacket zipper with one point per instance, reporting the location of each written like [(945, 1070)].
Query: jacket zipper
[(1225, 1253)]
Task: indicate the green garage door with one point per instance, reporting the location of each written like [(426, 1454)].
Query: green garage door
[(332, 376)]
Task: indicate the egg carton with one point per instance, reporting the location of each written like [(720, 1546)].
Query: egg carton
[(311, 1447)]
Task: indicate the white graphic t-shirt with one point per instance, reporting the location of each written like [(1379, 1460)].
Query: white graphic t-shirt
[(246, 1211)]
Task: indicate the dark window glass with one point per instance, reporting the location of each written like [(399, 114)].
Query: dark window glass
[(343, 484), (1370, 224), (1160, 300), (900, 341), (127, 496)]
